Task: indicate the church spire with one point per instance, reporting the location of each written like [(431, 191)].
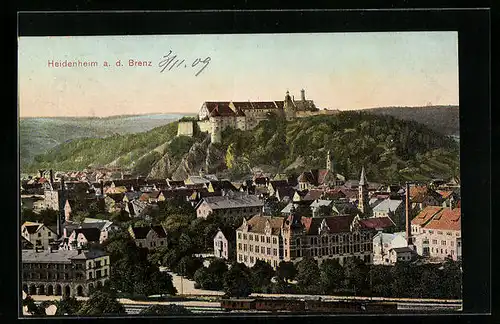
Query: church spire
[(362, 179), (363, 200)]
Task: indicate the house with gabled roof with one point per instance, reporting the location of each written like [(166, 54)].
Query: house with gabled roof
[(224, 243), (438, 232), (149, 237), (260, 238), (83, 236), (236, 205), (38, 234), (392, 208)]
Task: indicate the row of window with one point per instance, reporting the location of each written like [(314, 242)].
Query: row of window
[(441, 251), (443, 242), (334, 239), (263, 238), (257, 249)]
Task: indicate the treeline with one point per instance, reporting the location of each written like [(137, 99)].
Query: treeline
[(404, 280)]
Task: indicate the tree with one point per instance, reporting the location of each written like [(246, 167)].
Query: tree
[(331, 275), (48, 216), (101, 303), (356, 273), (308, 275), (33, 309), (237, 281), (79, 216), (211, 278), (188, 266), (171, 309), (68, 306), (286, 271), (261, 275)]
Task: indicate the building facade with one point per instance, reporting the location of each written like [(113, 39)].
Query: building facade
[(260, 238), (223, 244), (437, 232), (38, 234), (63, 272), (383, 243)]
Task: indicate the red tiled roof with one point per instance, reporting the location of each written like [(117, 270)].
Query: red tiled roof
[(377, 222), (313, 194), (322, 173), (425, 215), (447, 219), (445, 194)]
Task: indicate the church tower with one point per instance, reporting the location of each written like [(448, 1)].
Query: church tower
[(363, 200), (329, 162), (289, 106)]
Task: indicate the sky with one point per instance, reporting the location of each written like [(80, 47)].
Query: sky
[(337, 70)]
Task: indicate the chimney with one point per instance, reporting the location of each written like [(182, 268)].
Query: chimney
[(102, 187), (408, 223), (51, 178), (303, 94)]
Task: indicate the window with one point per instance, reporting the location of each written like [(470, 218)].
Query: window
[(239, 246), (275, 252), (452, 243), (268, 251), (262, 239), (286, 253), (256, 249), (244, 247), (49, 233), (448, 233), (251, 259), (434, 241), (286, 242), (431, 232), (240, 258), (268, 240), (250, 237), (39, 234), (245, 258), (274, 240), (452, 252), (439, 232), (251, 248), (244, 236), (443, 242)]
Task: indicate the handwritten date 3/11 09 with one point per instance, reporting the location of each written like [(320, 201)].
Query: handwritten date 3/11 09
[(171, 61)]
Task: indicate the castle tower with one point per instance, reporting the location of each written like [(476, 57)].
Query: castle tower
[(303, 95), (216, 121), (363, 200), (289, 106)]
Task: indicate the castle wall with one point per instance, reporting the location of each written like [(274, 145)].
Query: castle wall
[(185, 129), (205, 126), (301, 114)]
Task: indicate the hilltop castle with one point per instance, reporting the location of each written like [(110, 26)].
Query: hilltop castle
[(214, 117)]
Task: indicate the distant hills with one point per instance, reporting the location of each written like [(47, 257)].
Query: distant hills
[(39, 134), (390, 149), (442, 119)]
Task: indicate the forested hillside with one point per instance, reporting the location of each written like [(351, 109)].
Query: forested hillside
[(442, 119), (390, 149)]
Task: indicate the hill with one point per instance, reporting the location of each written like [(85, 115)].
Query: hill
[(37, 135), (442, 119), (390, 149)]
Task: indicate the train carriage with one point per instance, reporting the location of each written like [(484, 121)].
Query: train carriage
[(274, 305), (238, 304)]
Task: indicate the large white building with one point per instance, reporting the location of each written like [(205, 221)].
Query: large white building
[(437, 232), (384, 245), (215, 116)]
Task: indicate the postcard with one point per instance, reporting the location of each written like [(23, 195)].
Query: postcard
[(231, 174)]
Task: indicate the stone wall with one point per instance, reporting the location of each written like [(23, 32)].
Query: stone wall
[(185, 129)]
